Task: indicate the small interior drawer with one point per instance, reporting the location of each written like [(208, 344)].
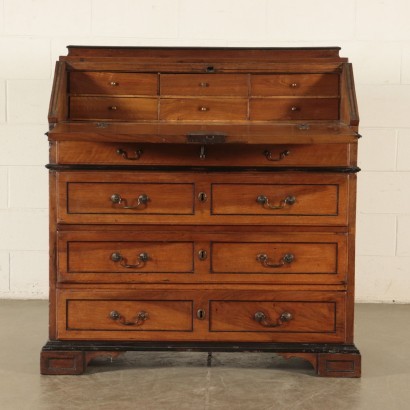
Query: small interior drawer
[(203, 109), (91, 82), (267, 109), (204, 84), (113, 108), (295, 84)]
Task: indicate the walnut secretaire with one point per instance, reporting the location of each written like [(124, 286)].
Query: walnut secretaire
[(202, 199)]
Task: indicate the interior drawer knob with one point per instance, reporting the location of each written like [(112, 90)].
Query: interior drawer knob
[(203, 109), (114, 84), (138, 320), (295, 108), (142, 258), (294, 85), (112, 107), (265, 321), (204, 85), (264, 201), (142, 201), (264, 259)]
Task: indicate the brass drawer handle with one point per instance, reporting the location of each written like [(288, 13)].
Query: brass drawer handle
[(264, 201), (269, 156), (294, 108), (294, 85), (204, 85), (138, 320), (141, 200), (264, 320), (137, 154), (264, 259), (114, 84), (203, 109), (112, 107), (142, 258)]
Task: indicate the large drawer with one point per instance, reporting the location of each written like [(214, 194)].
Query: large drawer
[(202, 315), (123, 198), (306, 155), (279, 199), (262, 198), (193, 255), (86, 82), (203, 109), (267, 109), (142, 315), (204, 84), (295, 84), (272, 258), (113, 108)]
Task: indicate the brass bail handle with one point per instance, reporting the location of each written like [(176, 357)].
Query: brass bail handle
[(270, 156), (264, 259), (142, 201), (138, 320), (134, 157), (264, 320), (142, 258), (264, 201)]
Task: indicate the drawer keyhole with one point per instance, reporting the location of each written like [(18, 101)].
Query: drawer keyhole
[(202, 197), (202, 254), (200, 314)]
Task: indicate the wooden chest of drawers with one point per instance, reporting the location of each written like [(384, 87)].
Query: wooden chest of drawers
[(202, 199)]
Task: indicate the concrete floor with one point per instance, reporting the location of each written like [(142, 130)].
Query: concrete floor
[(249, 381)]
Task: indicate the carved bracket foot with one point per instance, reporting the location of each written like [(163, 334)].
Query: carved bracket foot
[(339, 365), (69, 362)]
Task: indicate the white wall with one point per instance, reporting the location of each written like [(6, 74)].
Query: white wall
[(374, 34)]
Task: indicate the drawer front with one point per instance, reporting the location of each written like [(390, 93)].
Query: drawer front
[(272, 316), (203, 109), (128, 256), (272, 258), (267, 109), (204, 84), (83, 82), (275, 199), (295, 84), (202, 315), (203, 198), (79, 152), (130, 315), (134, 198), (113, 108), (195, 255)]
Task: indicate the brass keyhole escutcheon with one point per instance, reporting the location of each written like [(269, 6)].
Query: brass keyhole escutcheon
[(200, 314), (202, 197), (202, 254)]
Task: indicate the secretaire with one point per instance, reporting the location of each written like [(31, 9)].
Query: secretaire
[(202, 199)]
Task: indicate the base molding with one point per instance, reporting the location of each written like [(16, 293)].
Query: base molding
[(72, 357)]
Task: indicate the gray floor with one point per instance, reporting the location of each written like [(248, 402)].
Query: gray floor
[(180, 381)]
